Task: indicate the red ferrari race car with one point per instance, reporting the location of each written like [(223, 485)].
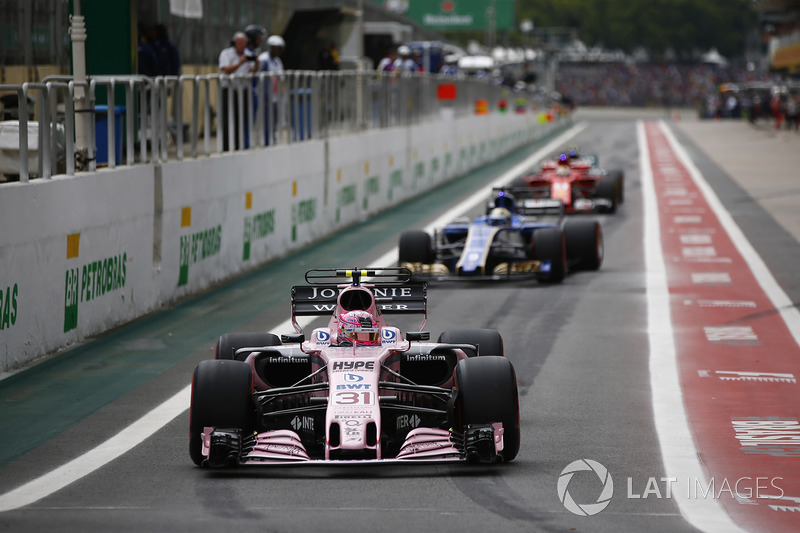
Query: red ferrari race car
[(578, 182), (357, 390)]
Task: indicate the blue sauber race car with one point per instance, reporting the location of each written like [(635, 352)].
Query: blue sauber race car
[(517, 238)]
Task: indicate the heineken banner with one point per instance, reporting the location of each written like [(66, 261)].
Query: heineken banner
[(462, 14)]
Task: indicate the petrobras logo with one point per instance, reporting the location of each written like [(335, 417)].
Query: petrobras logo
[(353, 378)]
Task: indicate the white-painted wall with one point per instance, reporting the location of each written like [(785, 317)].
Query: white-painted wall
[(81, 255)]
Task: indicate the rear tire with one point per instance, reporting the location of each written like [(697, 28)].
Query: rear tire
[(415, 247), (221, 397), (489, 341), (620, 177), (584, 240), (487, 393), (549, 245), (609, 189), (230, 342)]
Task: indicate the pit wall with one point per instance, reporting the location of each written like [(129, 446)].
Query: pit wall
[(81, 255)]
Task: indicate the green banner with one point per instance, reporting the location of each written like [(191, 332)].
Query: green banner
[(462, 14)]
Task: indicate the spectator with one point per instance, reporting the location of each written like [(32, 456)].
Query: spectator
[(792, 111), (233, 60), (270, 61), (418, 62), (255, 36), (328, 57), (169, 60), (148, 62), (450, 67), (405, 63), (387, 63)]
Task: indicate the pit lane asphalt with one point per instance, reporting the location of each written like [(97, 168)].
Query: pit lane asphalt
[(580, 350)]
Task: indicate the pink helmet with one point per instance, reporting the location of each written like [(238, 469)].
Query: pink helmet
[(359, 327)]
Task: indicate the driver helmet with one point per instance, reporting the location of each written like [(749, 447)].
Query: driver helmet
[(573, 152), (505, 199), (563, 159), (499, 216), (360, 328)]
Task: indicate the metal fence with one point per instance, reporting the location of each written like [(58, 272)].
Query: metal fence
[(166, 118)]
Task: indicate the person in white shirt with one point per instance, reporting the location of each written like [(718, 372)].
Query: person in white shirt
[(270, 61), (405, 63), (234, 60)]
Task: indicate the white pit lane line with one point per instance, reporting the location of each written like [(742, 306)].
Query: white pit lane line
[(150, 423)]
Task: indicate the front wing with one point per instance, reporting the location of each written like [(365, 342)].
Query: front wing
[(228, 447), (519, 270)]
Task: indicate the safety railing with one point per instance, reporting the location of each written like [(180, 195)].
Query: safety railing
[(172, 117)]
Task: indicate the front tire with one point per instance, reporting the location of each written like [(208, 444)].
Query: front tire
[(487, 393), (221, 397), (230, 342), (489, 341)]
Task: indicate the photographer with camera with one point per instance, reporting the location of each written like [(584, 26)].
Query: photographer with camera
[(235, 60)]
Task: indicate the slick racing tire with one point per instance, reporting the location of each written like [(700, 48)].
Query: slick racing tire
[(415, 247), (584, 240), (620, 177), (489, 341), (549, 245), (230, 342), (221, 397), (487, 393), (609, 188)]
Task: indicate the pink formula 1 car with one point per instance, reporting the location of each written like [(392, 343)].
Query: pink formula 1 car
[(357, 390)]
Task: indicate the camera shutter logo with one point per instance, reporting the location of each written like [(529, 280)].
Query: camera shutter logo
[(587, 509)]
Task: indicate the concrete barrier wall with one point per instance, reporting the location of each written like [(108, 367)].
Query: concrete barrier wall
[(84, 254)]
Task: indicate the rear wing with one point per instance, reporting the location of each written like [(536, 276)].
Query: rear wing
[(390, 298), (397, 295), (529, 205)]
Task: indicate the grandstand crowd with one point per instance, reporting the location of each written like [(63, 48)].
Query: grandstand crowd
[(647, 84)]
